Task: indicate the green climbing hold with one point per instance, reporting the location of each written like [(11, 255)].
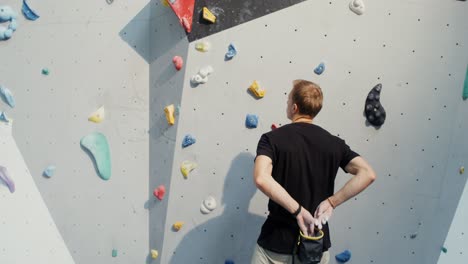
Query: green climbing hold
[(444, 249), (45, 71), (465, 86), (114, 253), (96, 144)]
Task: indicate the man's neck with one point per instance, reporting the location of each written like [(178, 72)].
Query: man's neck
[(302, 119)]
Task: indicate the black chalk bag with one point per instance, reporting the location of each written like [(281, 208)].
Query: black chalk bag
[(310, 249)]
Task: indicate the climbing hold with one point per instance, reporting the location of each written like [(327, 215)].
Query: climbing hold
[(208, 205), (320, 68), (444, 249), (165, 3), (208, 15), (375, 112), (178, 62), (96, 144), (462, 170), (110, 2), (98, 115), (177, 225), (202, 75), (203, 46), (49, 171), (228, 261), (256, 90), (343, 256), (414, 235), (251, 121), (231, 53), (274, 126), (177, 110), (357, 6), (45, 71), (4, 117), (184, 11), (188, 140), (186, 167), (114, 253), (465, 86), (7, 96), (154, 254), (169, 110), (7, 15), (28, 12), (159, 192), (5, 177)]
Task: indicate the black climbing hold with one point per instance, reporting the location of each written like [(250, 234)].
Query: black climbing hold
[(375, 112)]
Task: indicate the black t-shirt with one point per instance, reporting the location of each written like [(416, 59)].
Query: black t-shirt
[(305, 159)]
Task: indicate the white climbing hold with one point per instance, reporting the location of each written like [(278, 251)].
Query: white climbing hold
[(98, 115), (208, 205), (357, 6), (202, 75)]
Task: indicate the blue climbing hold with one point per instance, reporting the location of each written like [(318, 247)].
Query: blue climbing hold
[(7, 15), (4, 118), (320, 68), (343, 256), (28, 12), (49, 171), (228, 261), (251, 121), (188, 140), (232, 52), (7, 96)]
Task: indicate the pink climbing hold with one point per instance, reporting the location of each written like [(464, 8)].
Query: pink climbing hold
[(159, 192), (178, 62)]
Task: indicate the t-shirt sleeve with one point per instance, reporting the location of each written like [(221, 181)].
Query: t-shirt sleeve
[(264, 147), (347, 155)]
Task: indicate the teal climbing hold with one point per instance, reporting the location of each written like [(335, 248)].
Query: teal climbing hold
[(4, 117), (49, 171), (7, 96), (114, 253), (45, 71), (96, 144), (444, 249), (465, 87)]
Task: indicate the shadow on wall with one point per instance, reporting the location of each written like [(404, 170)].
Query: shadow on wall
[(233, 234)]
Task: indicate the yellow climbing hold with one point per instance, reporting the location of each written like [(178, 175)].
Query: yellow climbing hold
[(177, 225), (98, 115), (154, 254), (186, 167), (208, 15), (203, 46), (256, 90), (165, 3), (169, 110), (462, 170)]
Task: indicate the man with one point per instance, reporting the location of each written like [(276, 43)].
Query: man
[(295, 167)]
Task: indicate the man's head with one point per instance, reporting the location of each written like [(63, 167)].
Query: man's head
[(304, 100)]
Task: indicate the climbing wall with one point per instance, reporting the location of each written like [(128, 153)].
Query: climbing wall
[(97, 55), (416, 49)]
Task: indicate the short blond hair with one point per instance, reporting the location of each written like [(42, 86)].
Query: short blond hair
[(308, 97)]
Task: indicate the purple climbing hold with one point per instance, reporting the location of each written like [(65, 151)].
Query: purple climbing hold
[(343, 256), (375, 113), (5, 177), (251, 121), (188, 140)]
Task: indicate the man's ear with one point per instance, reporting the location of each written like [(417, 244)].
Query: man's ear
[(295, 108)]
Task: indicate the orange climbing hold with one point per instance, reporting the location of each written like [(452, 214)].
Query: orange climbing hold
[(184, 11), (177, 225)]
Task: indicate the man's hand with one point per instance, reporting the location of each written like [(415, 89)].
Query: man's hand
[(323, 213), (306, 221)]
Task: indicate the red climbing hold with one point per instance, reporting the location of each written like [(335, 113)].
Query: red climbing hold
[(274, 126), (184, 11), (178, 62), (159, 192)]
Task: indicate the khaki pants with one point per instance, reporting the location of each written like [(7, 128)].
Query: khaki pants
[(263, 256)]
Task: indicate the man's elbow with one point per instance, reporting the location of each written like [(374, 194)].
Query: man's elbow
[(259, 182), (371, 175)]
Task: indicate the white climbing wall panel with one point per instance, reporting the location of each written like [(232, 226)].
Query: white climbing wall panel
[(29, 234), (416, 49), (97, 54)]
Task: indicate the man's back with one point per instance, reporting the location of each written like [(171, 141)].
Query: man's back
[(306, 159)]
